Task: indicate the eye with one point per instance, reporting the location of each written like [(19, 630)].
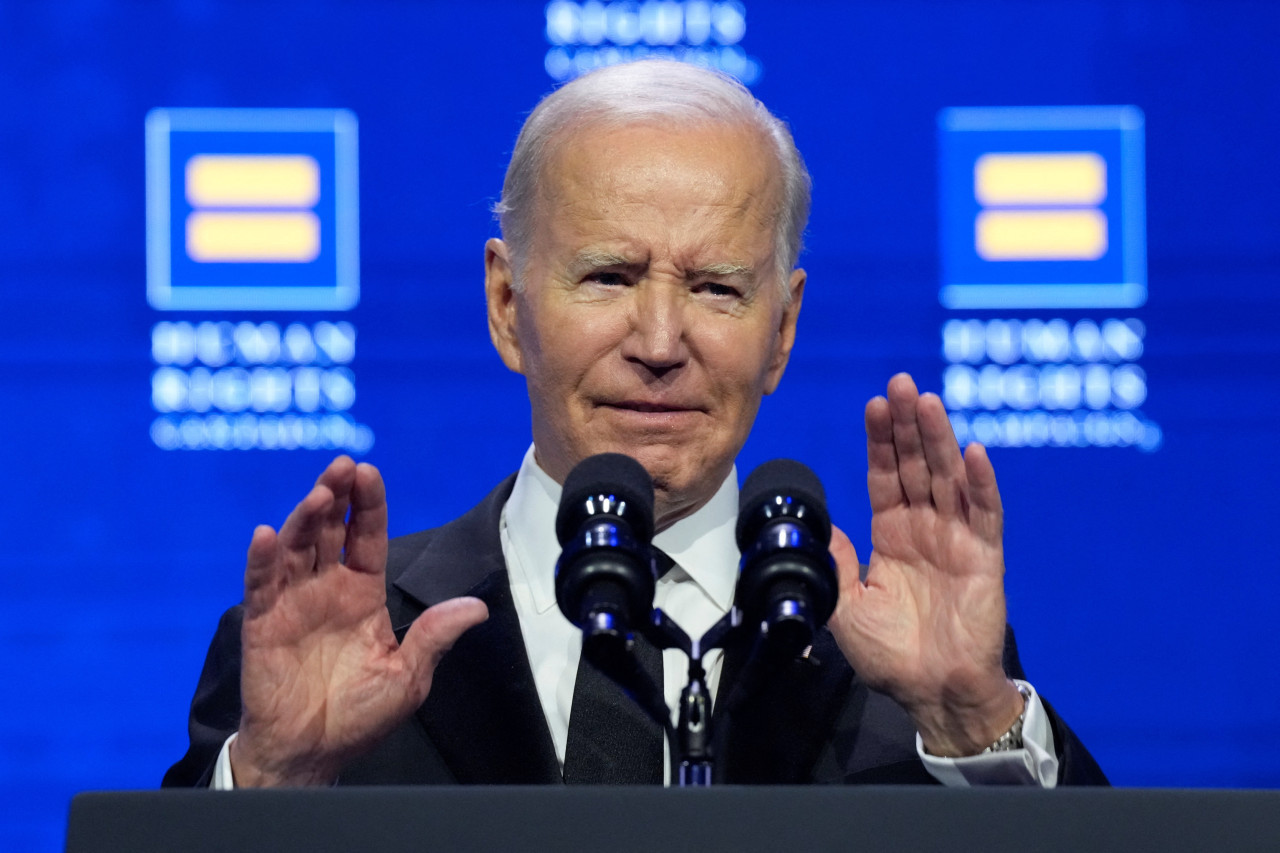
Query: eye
[(718, 289), (607, 278)]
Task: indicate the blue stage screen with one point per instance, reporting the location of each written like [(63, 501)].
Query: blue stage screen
[(1136, 437)]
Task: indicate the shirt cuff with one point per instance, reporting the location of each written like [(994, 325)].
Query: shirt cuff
[(223, 779), (1035, 764)]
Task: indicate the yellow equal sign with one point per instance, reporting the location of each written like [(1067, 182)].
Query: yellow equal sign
[(252, 208), (1045, 206), (222, 237)]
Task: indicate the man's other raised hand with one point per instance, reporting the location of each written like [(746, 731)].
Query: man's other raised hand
[(322, 676), (927, 626)]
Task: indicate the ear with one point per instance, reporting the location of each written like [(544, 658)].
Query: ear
[(786, 337), (502, 299)]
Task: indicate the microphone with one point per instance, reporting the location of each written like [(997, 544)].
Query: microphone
[(605, 577), (787, 579)]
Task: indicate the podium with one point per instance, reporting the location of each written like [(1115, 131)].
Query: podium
[(653, 820)]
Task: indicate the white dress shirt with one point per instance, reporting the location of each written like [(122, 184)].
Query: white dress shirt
[(696, 593)]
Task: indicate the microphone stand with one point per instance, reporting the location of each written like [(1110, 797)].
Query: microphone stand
[(692, 753), (692, 741)]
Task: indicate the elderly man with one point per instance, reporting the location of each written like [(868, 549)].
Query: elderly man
[(646, 288)]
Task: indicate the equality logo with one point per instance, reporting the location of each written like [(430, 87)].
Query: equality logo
[(252, 210), (1042, 207), (1041, 210)]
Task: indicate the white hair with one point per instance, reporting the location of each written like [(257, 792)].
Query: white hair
[(640, 92)]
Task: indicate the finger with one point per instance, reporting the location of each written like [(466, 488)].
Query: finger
[(434, 633), (848, 568), (311, 537), (913, 468), (366, 544), (948, 483), (340, 478), (299, 536), (986, 512), (262, 570), (884, 486)]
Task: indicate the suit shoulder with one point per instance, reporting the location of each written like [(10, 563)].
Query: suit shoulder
[(403, 550), (447, 561)]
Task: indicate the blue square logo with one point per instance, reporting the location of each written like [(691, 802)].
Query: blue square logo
[(252, 210), (1042, 207)]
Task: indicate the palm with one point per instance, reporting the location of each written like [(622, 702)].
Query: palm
[(323, 658), (322, 673), (928, 577), (927, 626)]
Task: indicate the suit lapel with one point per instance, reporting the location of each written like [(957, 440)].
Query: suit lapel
[(483, 713)]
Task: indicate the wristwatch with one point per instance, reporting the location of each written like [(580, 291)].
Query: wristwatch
[(1012, 739)]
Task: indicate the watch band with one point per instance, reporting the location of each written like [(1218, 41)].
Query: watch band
[(1012, 739)]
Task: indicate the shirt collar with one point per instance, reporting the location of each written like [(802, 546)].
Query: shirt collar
[(701, 544)]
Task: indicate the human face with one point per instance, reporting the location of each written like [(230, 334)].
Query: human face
[(649, 321)]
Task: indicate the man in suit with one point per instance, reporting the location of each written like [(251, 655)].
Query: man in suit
[(646, 288)]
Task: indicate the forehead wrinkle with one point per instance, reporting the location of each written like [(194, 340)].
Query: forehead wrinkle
[(592, 259), (710, 257), (616, 212)]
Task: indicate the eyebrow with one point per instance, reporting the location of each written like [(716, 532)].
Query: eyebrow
[(725, 269), (592, 259)]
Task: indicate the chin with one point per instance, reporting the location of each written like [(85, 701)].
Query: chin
[(680, 485), (666, 466)]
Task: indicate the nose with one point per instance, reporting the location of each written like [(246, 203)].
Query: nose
[(657, 335)]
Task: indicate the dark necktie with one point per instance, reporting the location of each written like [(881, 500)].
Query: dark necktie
[(611, 740)]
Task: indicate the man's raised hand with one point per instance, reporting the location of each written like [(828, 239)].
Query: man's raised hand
[(927, 627), (322, 675)]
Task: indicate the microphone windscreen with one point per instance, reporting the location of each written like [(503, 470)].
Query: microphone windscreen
[(782, 478), (607, 474)]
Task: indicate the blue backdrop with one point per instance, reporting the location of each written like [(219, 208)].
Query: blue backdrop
[(1141, 577)]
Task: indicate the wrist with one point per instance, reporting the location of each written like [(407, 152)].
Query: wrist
[(960, 729), (249, 771), (1012, 738)]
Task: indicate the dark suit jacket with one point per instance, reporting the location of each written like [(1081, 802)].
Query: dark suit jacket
[(814, 721)]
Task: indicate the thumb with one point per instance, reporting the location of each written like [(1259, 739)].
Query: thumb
[(847, 566), (434, 633)]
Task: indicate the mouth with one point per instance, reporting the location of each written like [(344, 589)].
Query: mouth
[(649, 407), (646, 407)]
